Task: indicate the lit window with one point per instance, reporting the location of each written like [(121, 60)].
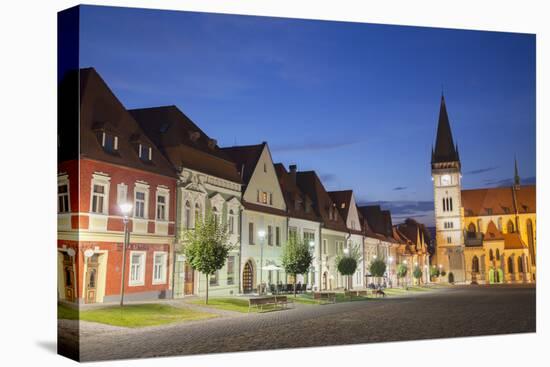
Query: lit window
[(159, 268), (137, 268), (161, 207), (98, 198), (140, 205), (63, 198)]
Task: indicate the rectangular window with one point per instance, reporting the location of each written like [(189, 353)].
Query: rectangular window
[(161, 207), (449, 239), (278, 236), (145, 153), (292, 233), (109, 142), (270, 235), (309, 237), (98, 198), (324, 246), (159, 268), (63, 198), (250, 233), (140, 205), (214, 278), (264, 197), (231, 270), (231, 222), (270, 199), (137, 268), (122, 193)]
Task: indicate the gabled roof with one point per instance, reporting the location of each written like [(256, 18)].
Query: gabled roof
[(414, 231), (245, 157), (184, 143), (445, 150), (296, 201), (342, 199), (513, 241), (310, 184), (492, 233), (499, 200), (100, 110), (379, 220)]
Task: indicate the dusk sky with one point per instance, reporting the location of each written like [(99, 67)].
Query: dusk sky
[(356, 102)]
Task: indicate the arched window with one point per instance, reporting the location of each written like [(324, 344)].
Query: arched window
[(198, 215), (187, 215), (520, 264), (216, 215), (475, 264), (511, 265), (498, 254), (491, 256), (510, 226), (451, 204)]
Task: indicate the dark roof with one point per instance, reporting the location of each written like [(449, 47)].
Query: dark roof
[(296, 201), (245, 157), (184, 143), (379, 220), (445, 150), (342, 198), (499, 200), (310, 184), (100, 110), (416, 232), (492, 233)]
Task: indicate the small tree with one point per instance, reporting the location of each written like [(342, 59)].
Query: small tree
[(434, 272), (377, 268), (417, 273), (296, 258), (206, 247), (401, 271), (347, 263)]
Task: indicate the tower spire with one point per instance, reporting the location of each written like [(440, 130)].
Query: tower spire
[(445, 149), (516, 172)]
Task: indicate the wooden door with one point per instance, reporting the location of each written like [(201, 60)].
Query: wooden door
[(189, 279), (68, 277), (91, 278), (248, 278)]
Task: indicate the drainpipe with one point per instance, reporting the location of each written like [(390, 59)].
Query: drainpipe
[(240, 248)]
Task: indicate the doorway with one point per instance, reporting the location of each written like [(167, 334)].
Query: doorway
[(189, 279), (248, 277), (91, 278), (68, 277)]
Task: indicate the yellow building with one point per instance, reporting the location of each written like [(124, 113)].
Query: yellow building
[(482, 235)]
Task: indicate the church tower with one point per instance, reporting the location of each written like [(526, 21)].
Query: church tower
[(446, 177)]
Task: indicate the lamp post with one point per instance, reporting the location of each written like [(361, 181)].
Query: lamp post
[(261, 235), (125, 209)]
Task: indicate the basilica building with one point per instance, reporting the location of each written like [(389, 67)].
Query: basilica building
[(483, 236)]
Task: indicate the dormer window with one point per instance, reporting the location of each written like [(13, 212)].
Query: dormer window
[(145, 153), (109, 142), (343, 205)]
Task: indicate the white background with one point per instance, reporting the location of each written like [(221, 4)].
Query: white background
[(28, 182)]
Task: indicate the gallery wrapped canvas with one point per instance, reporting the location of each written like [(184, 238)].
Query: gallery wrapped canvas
[(238, 183)]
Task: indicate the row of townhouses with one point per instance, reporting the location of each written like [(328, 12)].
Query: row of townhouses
[(173, 173)]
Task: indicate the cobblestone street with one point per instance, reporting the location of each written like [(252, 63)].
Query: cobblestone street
[(454, 312)]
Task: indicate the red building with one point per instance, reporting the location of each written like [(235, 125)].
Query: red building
[(111, 162)]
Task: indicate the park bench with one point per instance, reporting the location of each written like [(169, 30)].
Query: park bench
[(324, 297), (260, 302)]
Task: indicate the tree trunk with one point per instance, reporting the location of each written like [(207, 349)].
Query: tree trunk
[(295, 285), (206, 299)]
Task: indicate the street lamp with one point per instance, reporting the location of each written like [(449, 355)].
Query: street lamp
[(125, 209), (261, 235), (312, 267), (390, 260)]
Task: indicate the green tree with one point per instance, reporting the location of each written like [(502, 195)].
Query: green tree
[(297, 258), (434, 272), (417, 273), (346, 263), (401, 271), (206, 247), (377, 268)]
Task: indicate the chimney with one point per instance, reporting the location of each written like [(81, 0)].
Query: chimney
[(292, 168)]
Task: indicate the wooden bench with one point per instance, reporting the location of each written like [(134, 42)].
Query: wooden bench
[(324, 297), (357, 293), (260, 302)]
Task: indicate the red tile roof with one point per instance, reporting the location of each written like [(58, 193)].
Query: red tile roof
[(499, 200)]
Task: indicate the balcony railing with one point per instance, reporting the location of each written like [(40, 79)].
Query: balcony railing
[(473, 238)]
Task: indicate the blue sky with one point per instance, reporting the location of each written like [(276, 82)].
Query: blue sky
[(356, 102)]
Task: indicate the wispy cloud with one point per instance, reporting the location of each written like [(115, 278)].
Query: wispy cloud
[(482, 170), (509, 182), (312, 146), (399, 188)]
